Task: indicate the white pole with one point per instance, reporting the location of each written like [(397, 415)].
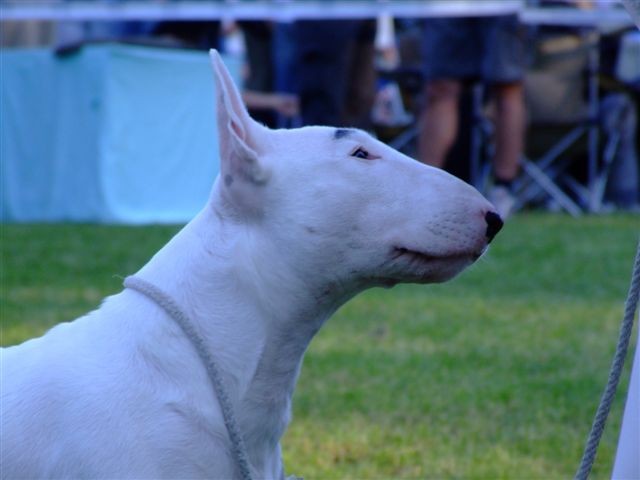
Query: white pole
[(627, 462)]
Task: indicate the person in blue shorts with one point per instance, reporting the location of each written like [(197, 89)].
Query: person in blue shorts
[(490, 49)]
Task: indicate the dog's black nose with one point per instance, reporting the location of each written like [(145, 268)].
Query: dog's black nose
[(494, 224)]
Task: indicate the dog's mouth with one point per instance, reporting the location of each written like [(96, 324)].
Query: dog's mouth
[(405, 265), (425, 257)]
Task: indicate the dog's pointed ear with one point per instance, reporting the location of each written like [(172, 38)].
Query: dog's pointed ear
[(238, 134)]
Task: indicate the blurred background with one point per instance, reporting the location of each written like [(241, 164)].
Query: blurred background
[(107, 105)]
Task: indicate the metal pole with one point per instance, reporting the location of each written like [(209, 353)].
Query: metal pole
[(594, 111)]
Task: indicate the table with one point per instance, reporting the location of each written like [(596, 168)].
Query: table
[(109, 134)]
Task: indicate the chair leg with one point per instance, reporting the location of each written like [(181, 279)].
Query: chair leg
[(600, 181), (538, 175), (402, 140)]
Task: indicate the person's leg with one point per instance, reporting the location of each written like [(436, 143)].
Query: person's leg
[(450, 54), (321, 68), (258, 41), (361, 78), (510, 126), (438, 121), (504, 63), (509, 140)]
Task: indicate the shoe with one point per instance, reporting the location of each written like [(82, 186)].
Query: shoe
[(503, 200)]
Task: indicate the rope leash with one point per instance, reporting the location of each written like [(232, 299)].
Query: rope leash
[(602, 413), (175, 312)]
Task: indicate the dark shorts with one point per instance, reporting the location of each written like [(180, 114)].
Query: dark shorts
[(490, 48)]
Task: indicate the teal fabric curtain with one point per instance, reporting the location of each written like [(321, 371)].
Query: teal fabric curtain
[(110, 133)]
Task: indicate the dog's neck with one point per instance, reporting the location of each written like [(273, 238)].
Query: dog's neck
[(254, 311)]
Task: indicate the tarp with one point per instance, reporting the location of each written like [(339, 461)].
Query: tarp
[(109, 133)]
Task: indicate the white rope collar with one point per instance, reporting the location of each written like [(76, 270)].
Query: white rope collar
[(174, 311)]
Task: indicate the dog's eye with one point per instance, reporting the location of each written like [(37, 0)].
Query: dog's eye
[(360, 153)]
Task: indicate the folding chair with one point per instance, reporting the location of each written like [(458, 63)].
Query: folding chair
[(562, 95)]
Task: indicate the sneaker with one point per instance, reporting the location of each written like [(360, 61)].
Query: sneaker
[(503, 200)]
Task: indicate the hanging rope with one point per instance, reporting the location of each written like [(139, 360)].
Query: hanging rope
[(602, 413), (180, 317)]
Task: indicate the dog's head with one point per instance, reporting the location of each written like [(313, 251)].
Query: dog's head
[(342, 205)]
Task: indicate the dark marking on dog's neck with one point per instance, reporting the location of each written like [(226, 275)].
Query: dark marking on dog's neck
[(342, 132), (228, 180)]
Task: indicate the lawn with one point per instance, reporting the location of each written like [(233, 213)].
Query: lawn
[(496, 374)]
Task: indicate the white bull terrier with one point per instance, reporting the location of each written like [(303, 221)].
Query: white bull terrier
[(298, 222)]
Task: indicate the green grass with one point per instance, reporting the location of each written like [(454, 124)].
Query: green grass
[(496, 374)]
